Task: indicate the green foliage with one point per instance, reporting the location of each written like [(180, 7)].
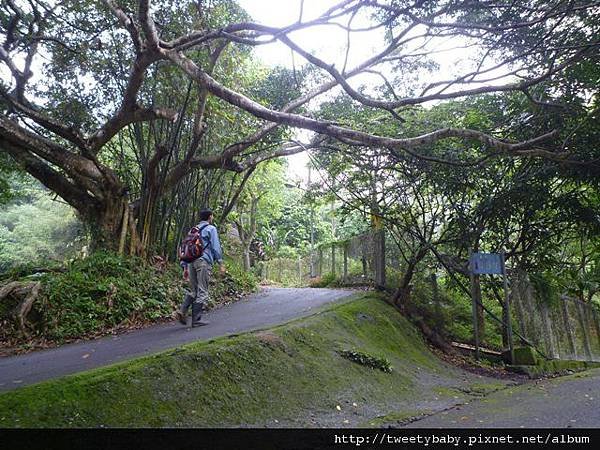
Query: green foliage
[(542, 213), (105, 291), (279, 86), (231, 286), (458, 318), (262, 200), (327, 280), (287, 233), (8, 171), (456, 315), (35, 229), (286, 251), (29, 270), (364, 359), (545, 287), (286, 271), (304, 211)]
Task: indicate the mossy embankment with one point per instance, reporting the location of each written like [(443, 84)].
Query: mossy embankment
[(291, 375)]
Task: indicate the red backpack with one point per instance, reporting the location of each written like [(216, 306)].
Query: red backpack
[(192, 248)]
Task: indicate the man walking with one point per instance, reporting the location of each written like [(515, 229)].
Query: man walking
[(199, 271)]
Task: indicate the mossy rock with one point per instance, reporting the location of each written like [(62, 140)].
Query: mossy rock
[(553, 367), (524, 356)]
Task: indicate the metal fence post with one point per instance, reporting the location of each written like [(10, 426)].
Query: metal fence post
[(474, 307), (345, 262), (320, 261), (507, 318), (333, 259)]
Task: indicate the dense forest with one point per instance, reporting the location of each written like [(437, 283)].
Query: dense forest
[(119, 121)]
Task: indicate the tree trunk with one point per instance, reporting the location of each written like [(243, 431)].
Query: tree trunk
[(106, 224), (26, 293), (435, 338), (246, 259), (402, 296), (247, 233)]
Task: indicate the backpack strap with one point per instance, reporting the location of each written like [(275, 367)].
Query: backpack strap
[(200, 233)]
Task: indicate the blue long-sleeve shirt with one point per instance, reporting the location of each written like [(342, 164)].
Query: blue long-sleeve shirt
[(212, 246)]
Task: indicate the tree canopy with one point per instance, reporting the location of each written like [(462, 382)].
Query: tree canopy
[(115, 105)]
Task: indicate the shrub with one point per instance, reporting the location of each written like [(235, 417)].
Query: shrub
[(364, 359), (233, 285), (327, 280), (106, 290)]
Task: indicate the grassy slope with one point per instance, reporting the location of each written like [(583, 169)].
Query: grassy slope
[(104, 293), (290, 375)]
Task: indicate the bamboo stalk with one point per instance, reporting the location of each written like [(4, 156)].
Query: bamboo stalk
[(125, 223)]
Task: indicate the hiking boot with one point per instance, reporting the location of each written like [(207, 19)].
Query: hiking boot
[(200, 323), (197, 310), (180, 317)]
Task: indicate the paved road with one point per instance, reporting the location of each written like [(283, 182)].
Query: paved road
[(270, 307), (572, 401)]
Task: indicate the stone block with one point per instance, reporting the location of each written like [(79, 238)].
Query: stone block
[(524, 356)]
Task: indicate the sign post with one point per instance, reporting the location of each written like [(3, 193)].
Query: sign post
[(490, 264), (507, 308), (474, 310)]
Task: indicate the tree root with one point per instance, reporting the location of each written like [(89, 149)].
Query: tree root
[(28, 293), (401, 301), (432, 336)]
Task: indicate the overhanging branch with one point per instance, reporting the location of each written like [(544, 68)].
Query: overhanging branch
[(346, 134)]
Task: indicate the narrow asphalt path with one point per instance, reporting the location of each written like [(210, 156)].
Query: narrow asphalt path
[(270, 307), (565, 402)]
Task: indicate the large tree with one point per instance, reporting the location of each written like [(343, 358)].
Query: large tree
[(79, 70)]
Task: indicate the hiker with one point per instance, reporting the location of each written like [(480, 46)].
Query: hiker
[(198, 270)]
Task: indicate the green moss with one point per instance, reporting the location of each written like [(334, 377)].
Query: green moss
[(525, 356), (395, 418), (552, 367), (485, 388), (251, 379), (444, 391)]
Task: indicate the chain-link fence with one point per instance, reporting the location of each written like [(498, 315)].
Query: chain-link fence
[(563, 327), (358, 260), (286, 271)]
